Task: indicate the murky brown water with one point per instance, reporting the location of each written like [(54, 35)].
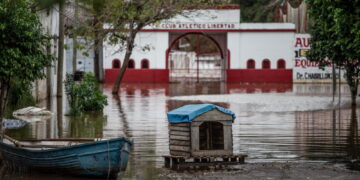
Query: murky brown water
[(275, 122)]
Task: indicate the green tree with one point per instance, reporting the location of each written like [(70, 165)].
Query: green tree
[(137, 14), (124, 19), (91, 8), (336, 35), (262, 10), (84, 96), (22, 47)]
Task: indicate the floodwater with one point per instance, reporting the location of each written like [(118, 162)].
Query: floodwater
[(275, 122)]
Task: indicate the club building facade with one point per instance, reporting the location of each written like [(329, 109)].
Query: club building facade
[(213, 45)]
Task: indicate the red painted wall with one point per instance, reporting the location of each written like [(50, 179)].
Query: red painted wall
[(139, 75), (233, 75), (259, 75)]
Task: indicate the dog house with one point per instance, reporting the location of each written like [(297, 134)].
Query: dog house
[(200, 130)]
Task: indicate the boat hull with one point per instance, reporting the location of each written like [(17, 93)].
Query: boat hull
[(101, 158)]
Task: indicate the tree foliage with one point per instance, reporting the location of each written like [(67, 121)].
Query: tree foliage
[(22, 43), (336, 35), (22, 46), (118, 21), (84, 95), (262, 10), (124, 19)]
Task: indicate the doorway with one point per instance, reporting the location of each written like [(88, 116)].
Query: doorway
[(195, 57)]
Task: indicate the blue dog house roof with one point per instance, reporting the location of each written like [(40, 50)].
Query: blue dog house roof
[(189, 112)]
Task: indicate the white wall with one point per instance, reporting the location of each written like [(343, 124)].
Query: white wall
[(83, 63), (242, 46), (158, 43), (50, 24), (268, 26), (203, 16), (261, 45), (233, 40)]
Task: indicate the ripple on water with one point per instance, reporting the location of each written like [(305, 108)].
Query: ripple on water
[(276, 124)]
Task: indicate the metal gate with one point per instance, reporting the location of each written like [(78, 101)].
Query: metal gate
[(196, 57)]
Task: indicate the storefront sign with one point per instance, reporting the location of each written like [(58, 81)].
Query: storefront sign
[(304, 69), (196, 26)]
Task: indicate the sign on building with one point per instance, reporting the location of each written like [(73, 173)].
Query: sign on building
[(304, 70)]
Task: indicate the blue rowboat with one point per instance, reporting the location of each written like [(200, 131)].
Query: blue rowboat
[(99, 158)]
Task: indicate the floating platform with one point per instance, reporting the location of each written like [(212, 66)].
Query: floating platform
[(202, 162)]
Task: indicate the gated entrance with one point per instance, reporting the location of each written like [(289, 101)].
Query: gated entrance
[(196, 57)]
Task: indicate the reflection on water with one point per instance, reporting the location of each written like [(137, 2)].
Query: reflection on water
[(139, 112), (353, 147)]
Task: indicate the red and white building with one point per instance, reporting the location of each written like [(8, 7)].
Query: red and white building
[(211, 45)]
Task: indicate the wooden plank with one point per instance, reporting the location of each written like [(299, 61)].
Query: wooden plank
[(179, 142), (212, 156), (235, 156), (213, 115), (188, 164), (174, 137), (180, 124), (186, 129), (211, 153), (180, 133), (228, 138), (179, 153), (195, 141), (180, 148)]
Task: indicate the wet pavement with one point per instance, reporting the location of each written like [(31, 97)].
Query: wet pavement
[(275, 123)]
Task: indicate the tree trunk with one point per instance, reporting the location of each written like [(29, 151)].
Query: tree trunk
[(74, 57), (129, 48), (98, 42), (3, 94), (354, 91), (60, 50), (97, 57), (333, 82), (101, 60), (352, 81), (48, 75), (59, 117)]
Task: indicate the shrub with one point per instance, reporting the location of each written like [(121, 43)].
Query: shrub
[(84, 95)]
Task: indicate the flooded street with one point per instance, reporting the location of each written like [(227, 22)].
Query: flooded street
[(275, 122)]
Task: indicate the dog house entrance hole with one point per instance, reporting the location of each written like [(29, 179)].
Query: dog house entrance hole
[(211, 136)]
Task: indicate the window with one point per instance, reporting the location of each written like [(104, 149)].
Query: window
[(211, 136), (144, 64), (281, 64), (266, 64), (116, 64), (131, 64), (250, 64)]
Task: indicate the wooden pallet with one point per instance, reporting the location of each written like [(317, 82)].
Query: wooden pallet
[(197, 162)]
